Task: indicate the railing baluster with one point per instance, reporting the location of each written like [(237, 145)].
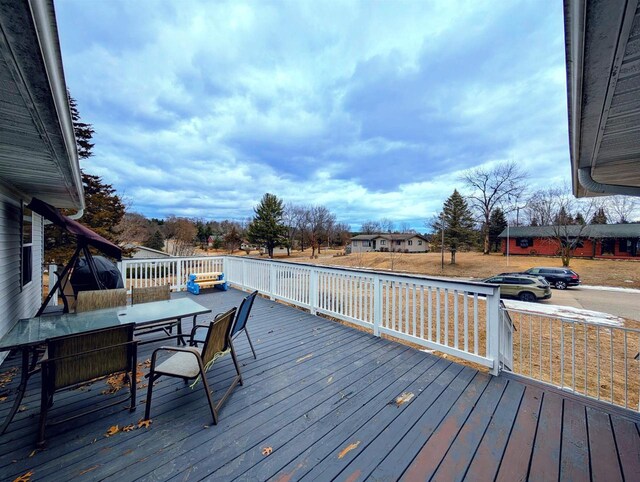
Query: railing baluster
[(455, 318)]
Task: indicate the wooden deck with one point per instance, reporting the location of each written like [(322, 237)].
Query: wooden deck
[(321, 397)]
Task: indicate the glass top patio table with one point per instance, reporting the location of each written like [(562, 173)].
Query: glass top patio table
[(34, 331)]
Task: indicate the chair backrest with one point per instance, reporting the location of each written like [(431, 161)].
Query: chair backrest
[(217, 339), (243, 313), (153, 293), (79, 358), (67, 294), (99, 299)]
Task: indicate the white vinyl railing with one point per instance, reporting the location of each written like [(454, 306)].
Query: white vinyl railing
[(597, 360), (459, 318)]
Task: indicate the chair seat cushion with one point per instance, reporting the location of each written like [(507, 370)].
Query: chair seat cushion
[(181, 364)]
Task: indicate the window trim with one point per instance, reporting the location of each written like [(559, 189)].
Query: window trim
[(24, 245)]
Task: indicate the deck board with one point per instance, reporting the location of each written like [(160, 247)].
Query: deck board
[(321, 395)]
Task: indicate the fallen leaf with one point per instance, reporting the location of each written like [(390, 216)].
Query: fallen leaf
[(2, 399), (22, 408), (330, 379), (128, 428), (404, 398), (306, 357), (114, 429), (348, 449), (144, 385), (88, 470), (144, 423), (26, 477), (266, 451), (33, 453), (7, 377)]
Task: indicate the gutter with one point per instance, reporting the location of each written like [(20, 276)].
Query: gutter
[(43, 15), (591, 185)]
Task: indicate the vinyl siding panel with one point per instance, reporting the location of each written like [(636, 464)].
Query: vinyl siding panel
[(15, 301)]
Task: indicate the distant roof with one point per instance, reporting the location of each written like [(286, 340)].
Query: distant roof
[(392, 236), (144, 248), (631, 230)]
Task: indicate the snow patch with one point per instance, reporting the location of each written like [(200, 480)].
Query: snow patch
[(610, 288), (565, 312)]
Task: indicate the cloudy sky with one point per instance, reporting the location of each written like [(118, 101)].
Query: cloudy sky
[(371, 108)]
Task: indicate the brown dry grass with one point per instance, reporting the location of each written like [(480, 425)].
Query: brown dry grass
[(600, 272)]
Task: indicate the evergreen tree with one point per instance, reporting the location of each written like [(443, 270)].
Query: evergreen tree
[(580, 219), (267, 228), (599, 217), (155, 241), (497, 224), (103, 207), (563, 218), (232, 239), (83, 131), (458, 224)]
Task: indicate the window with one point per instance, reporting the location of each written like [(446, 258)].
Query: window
[(383, 242), (26, 241), (398, 242), (525, 242), (366, 243), (410, 242), (625, 245), (419, 242)]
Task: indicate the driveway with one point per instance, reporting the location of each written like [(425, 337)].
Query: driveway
[(623, 304)]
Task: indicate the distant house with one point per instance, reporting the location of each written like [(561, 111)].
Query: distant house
[(403, 242), (142, 252), (597, 240)]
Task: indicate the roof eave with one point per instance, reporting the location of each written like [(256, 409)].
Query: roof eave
[(43, 14)]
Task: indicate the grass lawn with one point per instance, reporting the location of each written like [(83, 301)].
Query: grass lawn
[(599, 272)]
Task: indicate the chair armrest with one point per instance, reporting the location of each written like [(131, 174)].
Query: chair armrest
[(195, 328)]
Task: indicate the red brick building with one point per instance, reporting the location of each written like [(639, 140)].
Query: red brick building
[(612, 241)]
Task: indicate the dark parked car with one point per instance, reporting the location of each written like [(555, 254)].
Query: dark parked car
[(558, 277), (521, 286)]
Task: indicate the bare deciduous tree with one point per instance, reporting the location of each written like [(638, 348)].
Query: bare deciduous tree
[(180, 234), (492, 187), (370, 227), (621, 209), (387, 225)]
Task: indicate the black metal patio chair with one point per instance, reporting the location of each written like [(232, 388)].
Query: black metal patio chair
[(192, 362), (242, 316), (72, 360)]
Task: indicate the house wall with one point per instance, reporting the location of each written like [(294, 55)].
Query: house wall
[(15, 301), (550, 247), (360, 246)]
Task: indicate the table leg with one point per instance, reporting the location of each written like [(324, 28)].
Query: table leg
[(179, 338), (24, 378)]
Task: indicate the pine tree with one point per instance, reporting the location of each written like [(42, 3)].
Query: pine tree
[(155, 241), (267, 227), (600, 217), (103, 207), (580, 219), (83, 131), (458, 224), (497, 224)]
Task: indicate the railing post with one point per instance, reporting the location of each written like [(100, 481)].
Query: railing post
[(53, 278), (272, 281), (493, 330), (313, 290), (179, 275), (242, 278), (377, 305)]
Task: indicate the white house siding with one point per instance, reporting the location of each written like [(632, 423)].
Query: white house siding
[(360, 246), (15, 301)]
